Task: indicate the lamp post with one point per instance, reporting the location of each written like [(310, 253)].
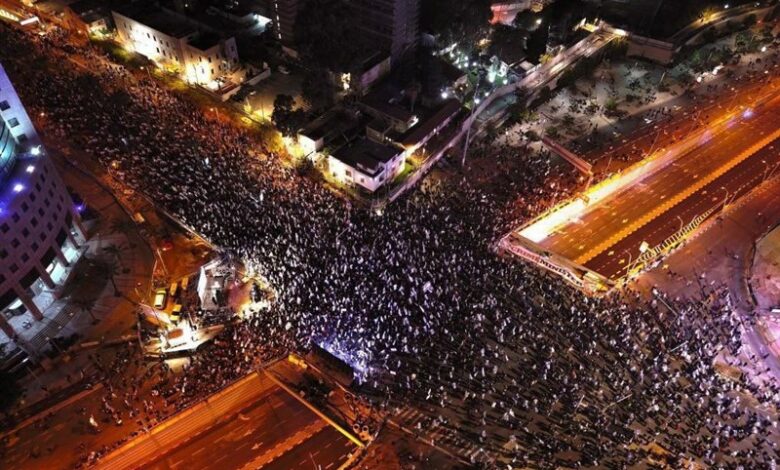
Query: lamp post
[(628, 265), (474, 103), (725, 198)]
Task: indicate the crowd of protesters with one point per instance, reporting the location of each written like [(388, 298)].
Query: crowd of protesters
[(414, 299)]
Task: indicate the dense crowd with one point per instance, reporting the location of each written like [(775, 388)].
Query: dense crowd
[(415, 299)]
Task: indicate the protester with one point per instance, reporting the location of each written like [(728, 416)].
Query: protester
[(415, 299)]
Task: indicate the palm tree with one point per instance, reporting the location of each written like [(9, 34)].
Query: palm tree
[(85, 304), (113, 270), (121, 225), (115, 252)]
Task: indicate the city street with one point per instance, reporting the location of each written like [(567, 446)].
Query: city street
[(274, 432), (599, 228), (736, 183)]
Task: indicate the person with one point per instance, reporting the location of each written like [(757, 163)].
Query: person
[(414, 300)]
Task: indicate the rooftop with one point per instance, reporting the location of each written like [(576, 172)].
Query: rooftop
[(204, 41), (366, 155), (330, 125), (81, 7), (389, 105), (431, 122), (158, 20)]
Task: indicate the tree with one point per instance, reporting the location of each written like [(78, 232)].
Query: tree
[(9, 391), (325, 35), (709, 35), (316, 89), (272, 139), (611, 106), (115, 252), (536, 45), (121, 225), (86, 304), (455, 21), (286, 119), (749, 20)]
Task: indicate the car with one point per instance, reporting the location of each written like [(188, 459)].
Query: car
[(166, 244), (160, 298)]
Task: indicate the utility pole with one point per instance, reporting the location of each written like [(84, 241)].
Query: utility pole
[(469, 119)]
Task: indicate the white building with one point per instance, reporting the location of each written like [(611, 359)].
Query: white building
[(366, 164), (201, 57)]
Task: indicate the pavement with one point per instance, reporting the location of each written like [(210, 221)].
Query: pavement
[(765, 274), (720, 256)]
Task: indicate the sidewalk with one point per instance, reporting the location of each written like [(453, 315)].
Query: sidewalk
[(765, 273), (113, 229), (721, 256)]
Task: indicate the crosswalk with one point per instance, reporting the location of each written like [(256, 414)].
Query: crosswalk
[(415, 422)]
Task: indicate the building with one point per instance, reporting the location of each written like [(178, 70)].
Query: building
[(430, 126), (39, 226), (87, 17), (366, 164), (201, 57), (391, 108), (283, 15), (504, 12), (331, 130), (391, 24)]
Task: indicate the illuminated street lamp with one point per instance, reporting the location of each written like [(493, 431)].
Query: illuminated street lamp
[(644, 247)]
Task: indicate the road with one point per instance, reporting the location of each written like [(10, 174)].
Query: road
[(737, 182), (274, 432), (598, 229)]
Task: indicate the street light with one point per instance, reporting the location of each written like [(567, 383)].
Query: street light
[(681, 224), (628, 265), (725, 199)]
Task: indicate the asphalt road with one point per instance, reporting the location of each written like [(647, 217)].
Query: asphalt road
[(737, 182), (619, 211), (663, 133), (274, 432)]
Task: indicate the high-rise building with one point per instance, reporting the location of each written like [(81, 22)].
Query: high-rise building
[(283, 16), (39, 225), (391, 24)]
